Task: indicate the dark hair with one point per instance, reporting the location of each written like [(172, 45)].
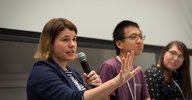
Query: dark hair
[(183, 72), (48, 35), (118, 33)]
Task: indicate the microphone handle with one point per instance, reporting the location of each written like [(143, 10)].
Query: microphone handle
[(86, 67)]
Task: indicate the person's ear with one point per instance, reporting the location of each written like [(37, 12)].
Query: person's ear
[(119, 44)]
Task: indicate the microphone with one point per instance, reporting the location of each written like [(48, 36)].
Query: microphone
[(82, 59)]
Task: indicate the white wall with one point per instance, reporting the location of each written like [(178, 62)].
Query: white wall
[(160, 20)]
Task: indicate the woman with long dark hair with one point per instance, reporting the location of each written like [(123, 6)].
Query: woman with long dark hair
[(170, 78)]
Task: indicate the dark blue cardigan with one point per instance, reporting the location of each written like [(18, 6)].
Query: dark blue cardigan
[(48, 81)]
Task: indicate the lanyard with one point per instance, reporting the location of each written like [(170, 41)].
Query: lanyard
[(179, 88), (133, 93)]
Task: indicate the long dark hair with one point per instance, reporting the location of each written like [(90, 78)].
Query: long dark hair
[(183, 71)]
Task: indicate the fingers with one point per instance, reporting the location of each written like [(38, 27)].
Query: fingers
[(123, 66), (127, 62), (130, 57), (135, 71), (85, 77), (130, 63), (126, 67), (93, 79)]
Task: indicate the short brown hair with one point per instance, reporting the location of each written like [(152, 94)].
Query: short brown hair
[(48, 35)]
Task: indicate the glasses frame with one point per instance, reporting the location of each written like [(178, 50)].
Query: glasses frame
[(135, 37), (175, 54)]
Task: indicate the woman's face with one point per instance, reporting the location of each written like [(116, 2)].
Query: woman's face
[(173, 58), (65, 46)]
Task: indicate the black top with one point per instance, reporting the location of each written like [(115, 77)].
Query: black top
[(159, 89)]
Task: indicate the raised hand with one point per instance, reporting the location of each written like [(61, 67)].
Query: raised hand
[(126, 67)]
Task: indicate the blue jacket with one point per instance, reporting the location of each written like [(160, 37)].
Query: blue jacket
[(48, 81)]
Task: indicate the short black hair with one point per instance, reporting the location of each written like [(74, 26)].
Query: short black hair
[(118, 33)]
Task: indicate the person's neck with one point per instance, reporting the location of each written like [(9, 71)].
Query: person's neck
[(168, 74), (119, 57), (123, 55), (62, 64)]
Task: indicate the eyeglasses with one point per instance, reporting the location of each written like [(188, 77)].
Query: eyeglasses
[(174, 54), (136, 37)]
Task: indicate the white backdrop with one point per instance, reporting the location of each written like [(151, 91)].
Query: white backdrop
[(160, 20)]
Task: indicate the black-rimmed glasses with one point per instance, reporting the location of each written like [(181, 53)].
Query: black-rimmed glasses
[(135, 37)]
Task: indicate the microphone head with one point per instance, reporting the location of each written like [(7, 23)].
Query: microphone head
[(81, 56)]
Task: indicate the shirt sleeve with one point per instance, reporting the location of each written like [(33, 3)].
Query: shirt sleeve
[(107, 72), (153, 78)]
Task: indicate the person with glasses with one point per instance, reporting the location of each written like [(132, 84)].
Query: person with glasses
[(127, 37), (52, 79), (170, 78)]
